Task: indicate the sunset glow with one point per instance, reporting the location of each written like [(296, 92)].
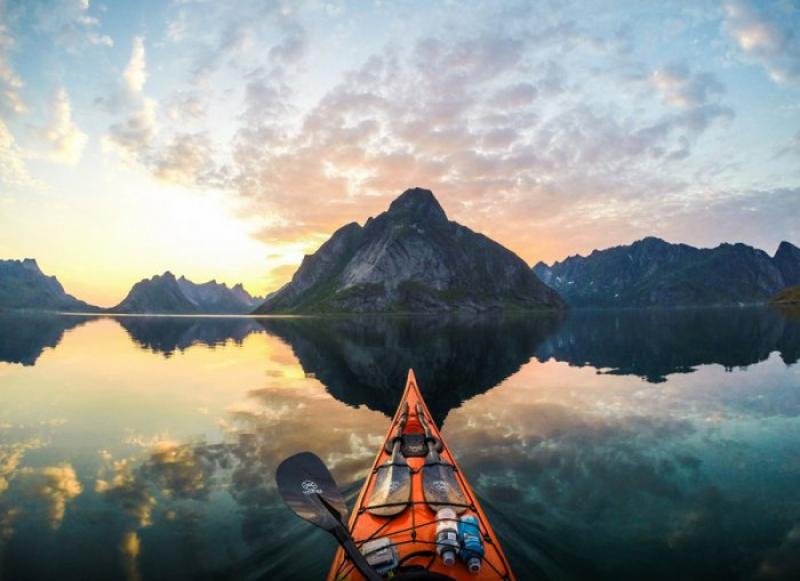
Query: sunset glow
[(226, 140)]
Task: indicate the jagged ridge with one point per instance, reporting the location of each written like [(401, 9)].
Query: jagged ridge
[(164, 294), (24, 286), (411, 258), (653, 272)]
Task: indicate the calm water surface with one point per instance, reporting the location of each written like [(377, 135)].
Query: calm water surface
[(631, 445)]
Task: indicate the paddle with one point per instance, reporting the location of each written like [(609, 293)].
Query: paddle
[(309, 490), (392, 489), (439, 484)]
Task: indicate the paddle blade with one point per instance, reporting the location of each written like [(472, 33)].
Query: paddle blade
[(392, 487), (441, 488), (310, 491)]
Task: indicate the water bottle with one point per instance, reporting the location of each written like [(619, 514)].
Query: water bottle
[(447, 535), (471, 542)]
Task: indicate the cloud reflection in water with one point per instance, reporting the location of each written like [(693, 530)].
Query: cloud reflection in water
[(593, 449)]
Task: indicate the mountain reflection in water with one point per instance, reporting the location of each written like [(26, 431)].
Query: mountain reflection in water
[(602, 444), (366, 360)]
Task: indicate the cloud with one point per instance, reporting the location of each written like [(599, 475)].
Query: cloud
[(70, 24), (120, 482), (179, 471), (56, 485), (64, 138), (762, 216), (135, 73), (293, 47), (451, 114), (783, 562), (515, 96), (767, 34), (7, 518), (550, 119), (186, 106), (11, 83), (13, 171), (11, 456), (130, 547), (121, 485), (680, 88), (590, 466), (176, 28), (133, 134), (188, 158), (792, 147)]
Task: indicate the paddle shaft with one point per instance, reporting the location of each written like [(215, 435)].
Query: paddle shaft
[(397, 457), (432, 456), (351, 550)]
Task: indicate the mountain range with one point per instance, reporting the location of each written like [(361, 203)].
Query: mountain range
[(23, 286), (653, 272), (411, 258), (167, 294)]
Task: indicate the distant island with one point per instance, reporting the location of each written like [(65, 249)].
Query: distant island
[(413, 259), (653, 272)]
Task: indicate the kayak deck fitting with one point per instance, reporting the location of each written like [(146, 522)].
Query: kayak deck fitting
[(410, 521)]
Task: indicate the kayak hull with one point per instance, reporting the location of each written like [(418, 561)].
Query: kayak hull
[(413, 530)]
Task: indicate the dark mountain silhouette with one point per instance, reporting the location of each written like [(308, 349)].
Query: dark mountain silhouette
[(654, 343), (411, 258), (169, 334), (24, 286), (25, 336), (365, 360), (652, 272), (165, 294), (787, 259)]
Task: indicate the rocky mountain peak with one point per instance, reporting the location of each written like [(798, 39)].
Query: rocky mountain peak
[(167, 293), (653, 272), (651, 241), (30, 264), (411, 258), (417, 204), (24, 286), (787, 247), (787, 259)]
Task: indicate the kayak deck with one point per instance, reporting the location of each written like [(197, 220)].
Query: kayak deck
[(413, 531)]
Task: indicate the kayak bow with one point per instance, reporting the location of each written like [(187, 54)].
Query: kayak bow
[(410, 532)]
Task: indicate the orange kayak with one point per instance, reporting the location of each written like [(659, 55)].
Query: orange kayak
[(411, 530)]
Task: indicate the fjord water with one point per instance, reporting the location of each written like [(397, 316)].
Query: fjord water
[(619, 445)]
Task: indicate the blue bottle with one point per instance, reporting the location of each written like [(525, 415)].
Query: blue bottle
[(471, 542)]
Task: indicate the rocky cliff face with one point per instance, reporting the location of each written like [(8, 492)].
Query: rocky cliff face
[(787, 259), (652, 272), (165, 294), (24, 286), (411, 258)]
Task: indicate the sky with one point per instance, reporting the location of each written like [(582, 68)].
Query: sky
[(225, 140)]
